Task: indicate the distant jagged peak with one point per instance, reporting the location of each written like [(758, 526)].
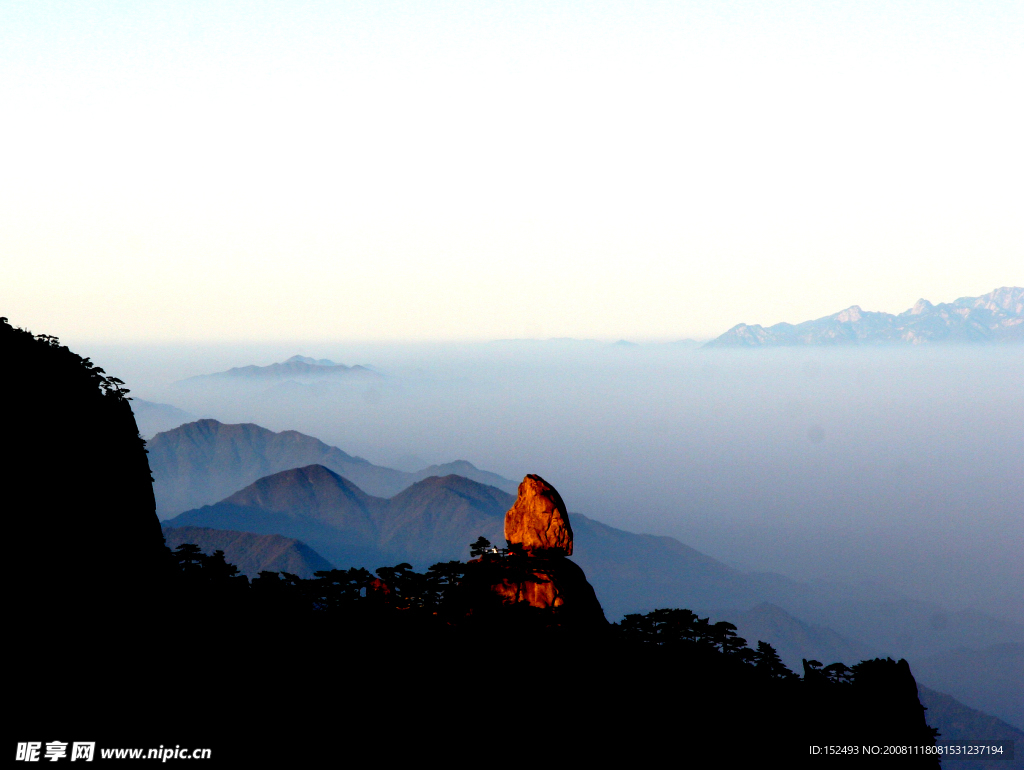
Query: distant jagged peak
[(852, 314), (461, 464), (312, 361), (1009, 299), (921, 306), (206, 424)]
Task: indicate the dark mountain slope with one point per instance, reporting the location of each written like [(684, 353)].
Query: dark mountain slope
[(795, 640), (969, 675), (251, 553), (431, 520), (991, 679), (93, 518), (957, 722), (639, 573), (312, 504), (88, 588)]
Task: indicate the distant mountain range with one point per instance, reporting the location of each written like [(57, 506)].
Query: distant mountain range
[(202, 462), (995, 317), (312, 361), (250, 552), (301, 368), (423, 524)]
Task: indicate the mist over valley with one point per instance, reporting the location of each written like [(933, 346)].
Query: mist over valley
[(901, 468)]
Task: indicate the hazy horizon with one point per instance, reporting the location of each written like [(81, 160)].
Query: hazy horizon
[(898, 466)]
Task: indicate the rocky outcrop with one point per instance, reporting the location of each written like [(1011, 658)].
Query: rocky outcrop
[(535, 572), (538, 522), (547, 583)]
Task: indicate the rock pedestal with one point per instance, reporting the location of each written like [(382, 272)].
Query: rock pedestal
[(547, 583)]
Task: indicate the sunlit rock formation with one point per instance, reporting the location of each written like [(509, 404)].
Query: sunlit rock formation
[(534, 571), (538, 521)]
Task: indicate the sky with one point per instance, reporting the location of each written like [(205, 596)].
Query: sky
[(382, 171)]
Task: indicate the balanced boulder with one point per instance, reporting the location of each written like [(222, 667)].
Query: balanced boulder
[(534, 571), (538, 522)]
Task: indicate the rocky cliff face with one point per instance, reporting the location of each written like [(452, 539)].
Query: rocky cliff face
[(90, 563)]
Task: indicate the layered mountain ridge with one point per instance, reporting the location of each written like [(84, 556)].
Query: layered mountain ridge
[(296, 367), (202, 462), (994, 317), (432, 520)]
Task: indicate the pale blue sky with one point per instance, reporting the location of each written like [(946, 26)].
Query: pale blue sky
[(375, 171)]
